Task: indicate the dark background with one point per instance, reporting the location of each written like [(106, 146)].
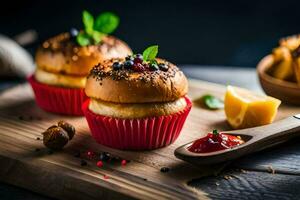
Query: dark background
[(231, 33)]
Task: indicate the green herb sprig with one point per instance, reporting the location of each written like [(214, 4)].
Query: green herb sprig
[(95, 30), (209, 101), (150, 53), (212, 102), (215, 132)]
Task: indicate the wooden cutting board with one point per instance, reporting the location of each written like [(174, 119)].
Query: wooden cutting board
[(25, 162)]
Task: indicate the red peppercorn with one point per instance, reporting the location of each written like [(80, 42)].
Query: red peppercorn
[(99, 163), (105, 176), (90, 153), (123, 162)]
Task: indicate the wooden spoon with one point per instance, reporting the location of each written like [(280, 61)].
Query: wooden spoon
[(256, 139)]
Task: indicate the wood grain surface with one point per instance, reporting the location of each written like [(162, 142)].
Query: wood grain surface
[(284, 159), (250, 185), (60, 174)]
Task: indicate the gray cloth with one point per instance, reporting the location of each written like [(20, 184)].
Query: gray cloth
[(15, 61)]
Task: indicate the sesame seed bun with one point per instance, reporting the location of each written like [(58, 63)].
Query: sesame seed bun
[(62, 56), (126, 86)]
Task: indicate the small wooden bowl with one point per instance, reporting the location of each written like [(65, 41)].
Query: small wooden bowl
[(287, 92)]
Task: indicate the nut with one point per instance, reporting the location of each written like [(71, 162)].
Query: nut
[(69, 128), (55, 138)]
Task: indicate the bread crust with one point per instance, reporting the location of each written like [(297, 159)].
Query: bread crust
[(126, 86), (62, 56)]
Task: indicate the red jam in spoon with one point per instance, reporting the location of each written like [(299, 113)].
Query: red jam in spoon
[(215, 141)]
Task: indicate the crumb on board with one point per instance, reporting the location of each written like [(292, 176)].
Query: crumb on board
[(271, 169), (227, 177)]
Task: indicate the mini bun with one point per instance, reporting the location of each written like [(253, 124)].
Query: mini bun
[(127, 86), (62, 56)]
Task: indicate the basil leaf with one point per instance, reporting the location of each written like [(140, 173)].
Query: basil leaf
[(212, 102), (88, 21), (83, 39), (106, 22), (150, 53), (97, 36)]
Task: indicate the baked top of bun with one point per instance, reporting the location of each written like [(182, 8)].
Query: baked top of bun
[(128, 86), (62, 55)]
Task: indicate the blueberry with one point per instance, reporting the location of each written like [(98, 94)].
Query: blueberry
[(154, 67), (117, 66), (128, 64), (129, 58), (140, 56), (74, 32), (163, 67)]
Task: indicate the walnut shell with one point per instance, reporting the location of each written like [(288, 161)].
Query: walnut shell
[(69, 128), (55, 138)]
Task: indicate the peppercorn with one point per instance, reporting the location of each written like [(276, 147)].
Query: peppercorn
[(164, 169), (55, 138), (99, 164), (83, 163), (105, 176), (104, 156), (123, 162), (163, 67), (77, 154), (70, 129)]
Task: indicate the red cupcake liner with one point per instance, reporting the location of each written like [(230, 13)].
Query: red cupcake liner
[(60, 100), (136, 134)]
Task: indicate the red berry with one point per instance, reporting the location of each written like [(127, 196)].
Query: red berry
[(138, 67), (138, 60), (99, 163), (123, 162), (147, 67)]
